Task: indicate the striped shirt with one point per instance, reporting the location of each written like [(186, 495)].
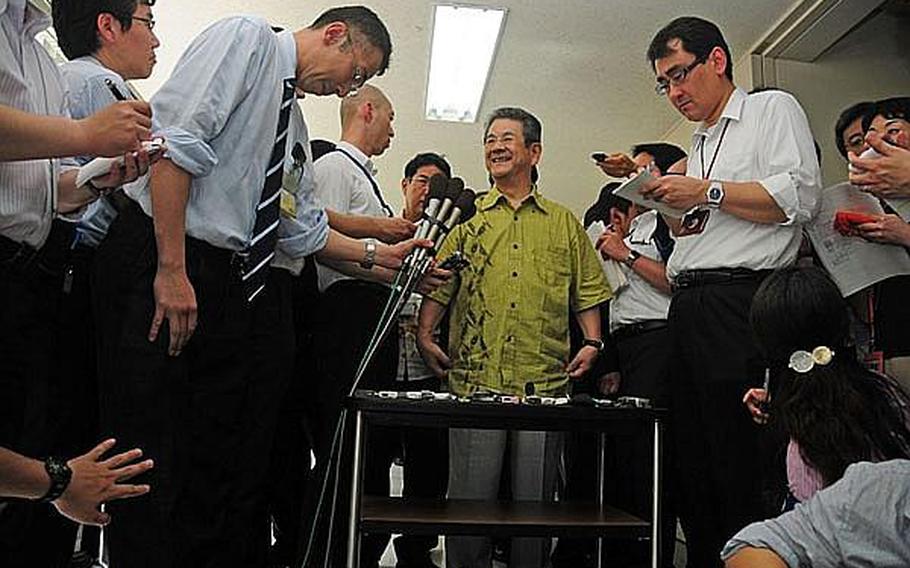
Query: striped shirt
[(29, 81)]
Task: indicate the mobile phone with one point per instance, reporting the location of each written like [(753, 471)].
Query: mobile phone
[(454, 262), (153, 146), (598, 156)]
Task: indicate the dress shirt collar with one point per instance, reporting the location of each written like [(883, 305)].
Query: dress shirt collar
[(25, 16), (732, 111), (495, 196), (358, 155), (287, 55)]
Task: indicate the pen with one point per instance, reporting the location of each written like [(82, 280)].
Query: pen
[(113, 89)]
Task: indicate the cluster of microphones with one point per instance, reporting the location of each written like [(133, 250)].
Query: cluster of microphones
[(448, 203)]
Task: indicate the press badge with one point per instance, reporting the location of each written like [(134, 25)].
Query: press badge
[(290, 182)]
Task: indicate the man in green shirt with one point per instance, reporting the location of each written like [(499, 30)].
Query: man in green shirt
[(531, 265)]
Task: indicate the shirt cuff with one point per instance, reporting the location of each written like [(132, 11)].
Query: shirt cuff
[(783, 190), (189, 152), (306, 239)]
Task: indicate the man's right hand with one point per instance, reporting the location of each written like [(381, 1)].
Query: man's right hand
[(754, 400), (117, 129), (433, 355), (175, 301), (393, 230), (618, 165)]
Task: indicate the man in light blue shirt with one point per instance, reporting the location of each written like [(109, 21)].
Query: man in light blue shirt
[(107, 42), (862, 520), (197, 338)]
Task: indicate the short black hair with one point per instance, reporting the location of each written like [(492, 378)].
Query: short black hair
[(895, 107), (698, 37), (665, 155), (427, 159), (847, 117), (365, 22), (530, 125), (75, 22), (600, 210)]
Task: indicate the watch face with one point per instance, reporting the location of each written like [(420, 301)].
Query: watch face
[(715, 193)]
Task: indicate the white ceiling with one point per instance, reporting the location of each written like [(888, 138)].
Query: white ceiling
[(579, 65)]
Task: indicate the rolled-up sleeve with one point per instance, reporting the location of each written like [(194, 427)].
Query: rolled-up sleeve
[(193, 106), (795, 184)]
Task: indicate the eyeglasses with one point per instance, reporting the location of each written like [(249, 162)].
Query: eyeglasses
[(358, 80), (149, 22), (677, 76)]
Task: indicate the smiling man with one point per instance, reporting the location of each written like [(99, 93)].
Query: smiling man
[(213, 240), (531, 266), (752, 180)]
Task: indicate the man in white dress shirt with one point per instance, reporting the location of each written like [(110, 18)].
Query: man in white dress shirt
[(752, 181), (35, 194)]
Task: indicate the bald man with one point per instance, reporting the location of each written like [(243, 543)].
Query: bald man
[(353, 295)]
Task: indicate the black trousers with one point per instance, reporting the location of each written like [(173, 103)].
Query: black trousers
[(206, 417), (716, 442), (348, 313), (40, 395), (646, 367)]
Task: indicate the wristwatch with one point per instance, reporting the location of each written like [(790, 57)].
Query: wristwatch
[(633, 256), (60, 475), (369, 254), (715, 194), (595, 343)]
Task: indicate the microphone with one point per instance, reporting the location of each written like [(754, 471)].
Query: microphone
[(437, 192), (453, 190)]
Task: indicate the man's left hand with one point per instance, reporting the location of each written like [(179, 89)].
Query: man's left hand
[(679, 192), (582, 362), (135, 165), (889, 229), (433, 279), (392, 256)]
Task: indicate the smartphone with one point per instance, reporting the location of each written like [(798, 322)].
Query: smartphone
[(455, 262), (598, 157)]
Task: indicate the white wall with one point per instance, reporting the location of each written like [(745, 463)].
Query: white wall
[(871, 62)]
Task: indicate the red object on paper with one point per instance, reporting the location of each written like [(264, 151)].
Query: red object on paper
[(845, 222)]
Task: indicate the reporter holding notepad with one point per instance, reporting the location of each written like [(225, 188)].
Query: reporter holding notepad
[(754, 179)]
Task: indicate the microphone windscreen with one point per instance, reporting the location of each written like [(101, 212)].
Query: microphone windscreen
[(466, 204), (438, 187), (454, 188)]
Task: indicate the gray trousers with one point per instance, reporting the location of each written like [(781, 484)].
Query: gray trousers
[(475, 464)]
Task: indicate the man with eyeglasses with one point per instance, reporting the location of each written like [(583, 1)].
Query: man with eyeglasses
[(752, 181), (197, 340), (107, 43)]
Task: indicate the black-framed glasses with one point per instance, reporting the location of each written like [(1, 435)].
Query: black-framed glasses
[(149, 22), (677, 76)]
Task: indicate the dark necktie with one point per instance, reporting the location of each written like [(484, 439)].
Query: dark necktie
[(265, 232)]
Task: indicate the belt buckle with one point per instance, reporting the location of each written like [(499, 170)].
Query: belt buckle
[(684, 279)]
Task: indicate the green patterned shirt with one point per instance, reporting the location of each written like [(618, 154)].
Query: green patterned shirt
[(530, 269)]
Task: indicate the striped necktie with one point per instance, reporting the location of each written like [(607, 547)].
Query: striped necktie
[(265, 232)]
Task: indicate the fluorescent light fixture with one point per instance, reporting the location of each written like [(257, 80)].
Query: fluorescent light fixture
[(464, 42)]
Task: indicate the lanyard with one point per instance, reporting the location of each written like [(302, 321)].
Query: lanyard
[(370, 179), (701, 151)]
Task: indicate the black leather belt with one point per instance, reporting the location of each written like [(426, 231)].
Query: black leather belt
[(693, 278), (631, 330)]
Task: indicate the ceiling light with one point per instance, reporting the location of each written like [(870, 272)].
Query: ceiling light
[(464, 42)]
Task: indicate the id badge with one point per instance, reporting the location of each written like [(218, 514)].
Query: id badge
[(289, 184)]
